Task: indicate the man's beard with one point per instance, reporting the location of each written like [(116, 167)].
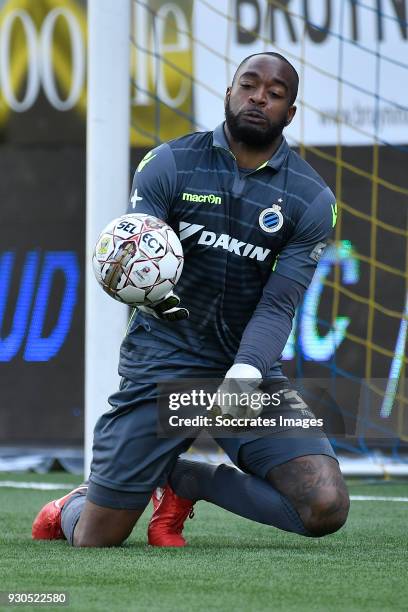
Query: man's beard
[(253, 136)]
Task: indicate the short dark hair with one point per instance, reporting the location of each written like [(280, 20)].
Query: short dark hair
[(295, 82)]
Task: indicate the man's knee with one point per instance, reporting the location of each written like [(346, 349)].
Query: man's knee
[(326, 511), (316, 489)]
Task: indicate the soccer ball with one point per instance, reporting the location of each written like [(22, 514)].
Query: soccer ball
[(138, 259)]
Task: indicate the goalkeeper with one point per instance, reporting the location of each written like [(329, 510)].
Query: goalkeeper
[(253, 218)]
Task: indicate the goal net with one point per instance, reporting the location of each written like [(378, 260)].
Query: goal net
[(352, 126)]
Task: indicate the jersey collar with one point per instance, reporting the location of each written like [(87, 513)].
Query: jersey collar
[(275, 162)]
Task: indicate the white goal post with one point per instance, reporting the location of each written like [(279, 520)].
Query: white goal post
[(107, 179)]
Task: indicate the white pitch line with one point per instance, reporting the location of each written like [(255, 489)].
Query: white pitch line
[(374, 498), (54, 486), (40, 486)]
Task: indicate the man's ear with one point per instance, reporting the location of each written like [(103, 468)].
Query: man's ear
[(227, 95), (290, 114)]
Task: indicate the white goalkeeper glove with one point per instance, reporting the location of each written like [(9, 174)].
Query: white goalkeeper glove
[(239, 383), (167, 309)]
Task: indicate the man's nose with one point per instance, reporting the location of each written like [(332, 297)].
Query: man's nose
[(259, 96)]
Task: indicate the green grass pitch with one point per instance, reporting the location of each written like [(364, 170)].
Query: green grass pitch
[(230, 564)]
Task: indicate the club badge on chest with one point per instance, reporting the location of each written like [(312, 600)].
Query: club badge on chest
[(271, 219)]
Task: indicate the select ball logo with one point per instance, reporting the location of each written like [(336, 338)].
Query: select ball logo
[(271, 219), (151, 245)]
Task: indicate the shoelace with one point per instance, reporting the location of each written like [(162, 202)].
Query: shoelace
[(180, 523)]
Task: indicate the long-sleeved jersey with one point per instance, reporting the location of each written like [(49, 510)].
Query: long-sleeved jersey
[(251, 240)]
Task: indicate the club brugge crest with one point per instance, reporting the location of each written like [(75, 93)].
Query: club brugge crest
[(271, 219)]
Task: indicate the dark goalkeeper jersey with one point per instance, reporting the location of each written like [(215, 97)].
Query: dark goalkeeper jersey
[(251, 241)]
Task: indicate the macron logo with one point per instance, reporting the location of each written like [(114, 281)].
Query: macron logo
[(210, 198), (222, 241)]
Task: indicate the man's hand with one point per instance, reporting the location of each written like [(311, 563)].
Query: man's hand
[(235, 392), (167, 309)]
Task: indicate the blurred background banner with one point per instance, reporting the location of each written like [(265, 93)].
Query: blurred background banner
[(351, 125), (42, 221), (43, 64), (162, 80), (43, 68), (344, 52)]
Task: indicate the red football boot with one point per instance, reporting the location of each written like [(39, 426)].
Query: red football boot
[(169, 515), (47, 523)]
